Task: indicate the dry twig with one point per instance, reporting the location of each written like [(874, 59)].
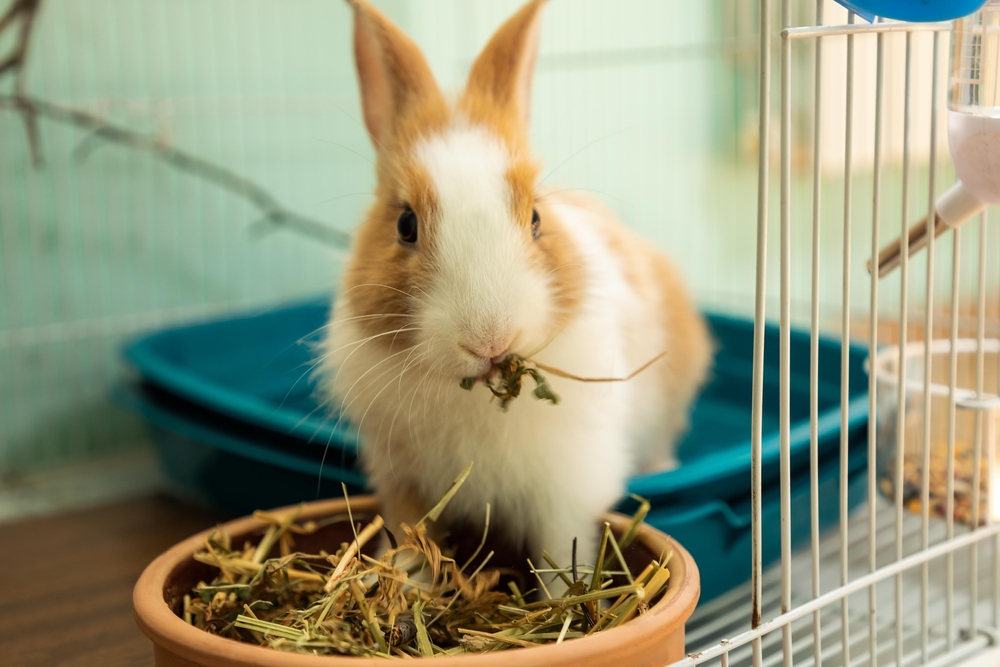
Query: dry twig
[(23, 11), (506, 378), (31, 108)]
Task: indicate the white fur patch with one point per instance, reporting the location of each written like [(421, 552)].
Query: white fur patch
[(547, 471), (485, 293)]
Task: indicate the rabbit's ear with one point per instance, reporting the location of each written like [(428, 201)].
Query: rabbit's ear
[(501, 76), (394, 76)]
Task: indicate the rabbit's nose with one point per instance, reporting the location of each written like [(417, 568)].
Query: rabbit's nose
[(494, 348)]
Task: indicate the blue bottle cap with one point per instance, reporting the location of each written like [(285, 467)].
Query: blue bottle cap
[(913, 10)]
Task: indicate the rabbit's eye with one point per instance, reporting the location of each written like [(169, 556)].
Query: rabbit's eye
[(536, 224), (406, 227)]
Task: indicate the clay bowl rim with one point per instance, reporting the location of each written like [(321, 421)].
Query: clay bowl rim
[(169, 632)]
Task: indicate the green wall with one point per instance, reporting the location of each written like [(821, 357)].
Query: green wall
[(649, 104)]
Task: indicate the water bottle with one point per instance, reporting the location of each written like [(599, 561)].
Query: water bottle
[(973, 130), (974, 103)]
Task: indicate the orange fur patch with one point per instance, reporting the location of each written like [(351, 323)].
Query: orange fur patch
[(657, 282), (557, 256), (396, 83), (690, 343), (499, 82)]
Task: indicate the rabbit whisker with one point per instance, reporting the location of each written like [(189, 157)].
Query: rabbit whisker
[(355, 318), (388, 287), (312, 366), (372, 368), (577, 152), (375, 398), (392, 425), (359, 346)]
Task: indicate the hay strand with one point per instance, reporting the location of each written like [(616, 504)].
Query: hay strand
[(412, 601)]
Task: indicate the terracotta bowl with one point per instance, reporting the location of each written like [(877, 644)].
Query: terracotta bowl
[(655, 639)]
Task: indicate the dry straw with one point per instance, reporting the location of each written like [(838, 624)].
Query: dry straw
[(506, 378), (413, 601)]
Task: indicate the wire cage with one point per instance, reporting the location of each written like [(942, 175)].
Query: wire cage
[(268, 161), (898, 584), (210, 160)]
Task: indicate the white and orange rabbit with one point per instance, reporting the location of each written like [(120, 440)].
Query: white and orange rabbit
[(461, 260)]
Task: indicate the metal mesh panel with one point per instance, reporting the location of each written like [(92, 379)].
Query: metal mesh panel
[(655, 105), (103, 240)]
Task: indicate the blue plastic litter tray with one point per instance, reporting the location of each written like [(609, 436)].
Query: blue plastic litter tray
[(229, 464), (234, 418), (719, 534), (217, 461), (254, 368)]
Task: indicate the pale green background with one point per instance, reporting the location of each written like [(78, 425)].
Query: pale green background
[(650, 104)]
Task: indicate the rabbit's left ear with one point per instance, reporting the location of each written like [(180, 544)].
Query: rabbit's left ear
[(501, 76)]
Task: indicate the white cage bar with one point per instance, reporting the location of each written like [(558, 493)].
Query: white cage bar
[(911, 636)]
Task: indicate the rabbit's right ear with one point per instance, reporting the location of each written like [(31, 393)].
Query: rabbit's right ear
[(394, 76), (500, 78)]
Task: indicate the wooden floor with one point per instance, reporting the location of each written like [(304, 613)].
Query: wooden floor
[(66, 582)]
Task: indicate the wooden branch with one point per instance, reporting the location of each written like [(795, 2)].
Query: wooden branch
[(10, 62), (30, 108), (26, 10), (273, 212), (30, 12), (12, 11)]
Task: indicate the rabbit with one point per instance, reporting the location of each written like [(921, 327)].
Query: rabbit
[(463, 259)]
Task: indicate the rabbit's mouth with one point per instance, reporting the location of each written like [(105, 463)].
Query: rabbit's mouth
[(485, 352), (485, 364), (473, 353), (505, 379)]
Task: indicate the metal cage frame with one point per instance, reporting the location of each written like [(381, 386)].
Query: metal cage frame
[(911, 643)]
